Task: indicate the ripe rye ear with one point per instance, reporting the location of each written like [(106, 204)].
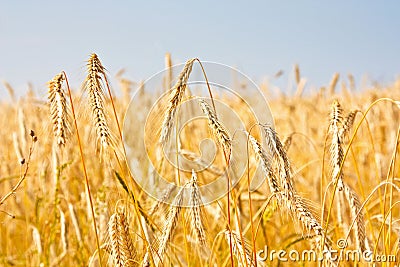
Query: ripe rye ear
[(59, 112), (175, 99), (93, 85)]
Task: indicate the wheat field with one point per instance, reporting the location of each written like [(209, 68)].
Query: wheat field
[(329, 166)]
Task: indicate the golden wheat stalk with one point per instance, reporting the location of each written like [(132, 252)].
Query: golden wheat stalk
[(175, 99), (347, 124), (262, 155), (336, 151), (195, 204), (94, 87), (300, 209), (122, 250), (284, 168), (58, 109), (305, 216), (358, 216)]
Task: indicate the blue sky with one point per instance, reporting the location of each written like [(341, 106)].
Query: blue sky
[(40, 38)]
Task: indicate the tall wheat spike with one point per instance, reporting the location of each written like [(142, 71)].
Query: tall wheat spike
[(175, 99), (336, 151), (122, 250), (58, 109), (351, 196), (336, 148), (195, 204), (94, 87), (339, 128)]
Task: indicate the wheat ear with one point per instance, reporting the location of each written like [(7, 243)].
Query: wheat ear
[(351, 196), (288, 195), (94, 86), (336, 148), (358, 216), (336, 151), (195, 211), (284, 168), (347, 124), (287, 142), (266, 165), (122, 249), (58, 109), (171, 222), (176, 97), (219, 131)]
